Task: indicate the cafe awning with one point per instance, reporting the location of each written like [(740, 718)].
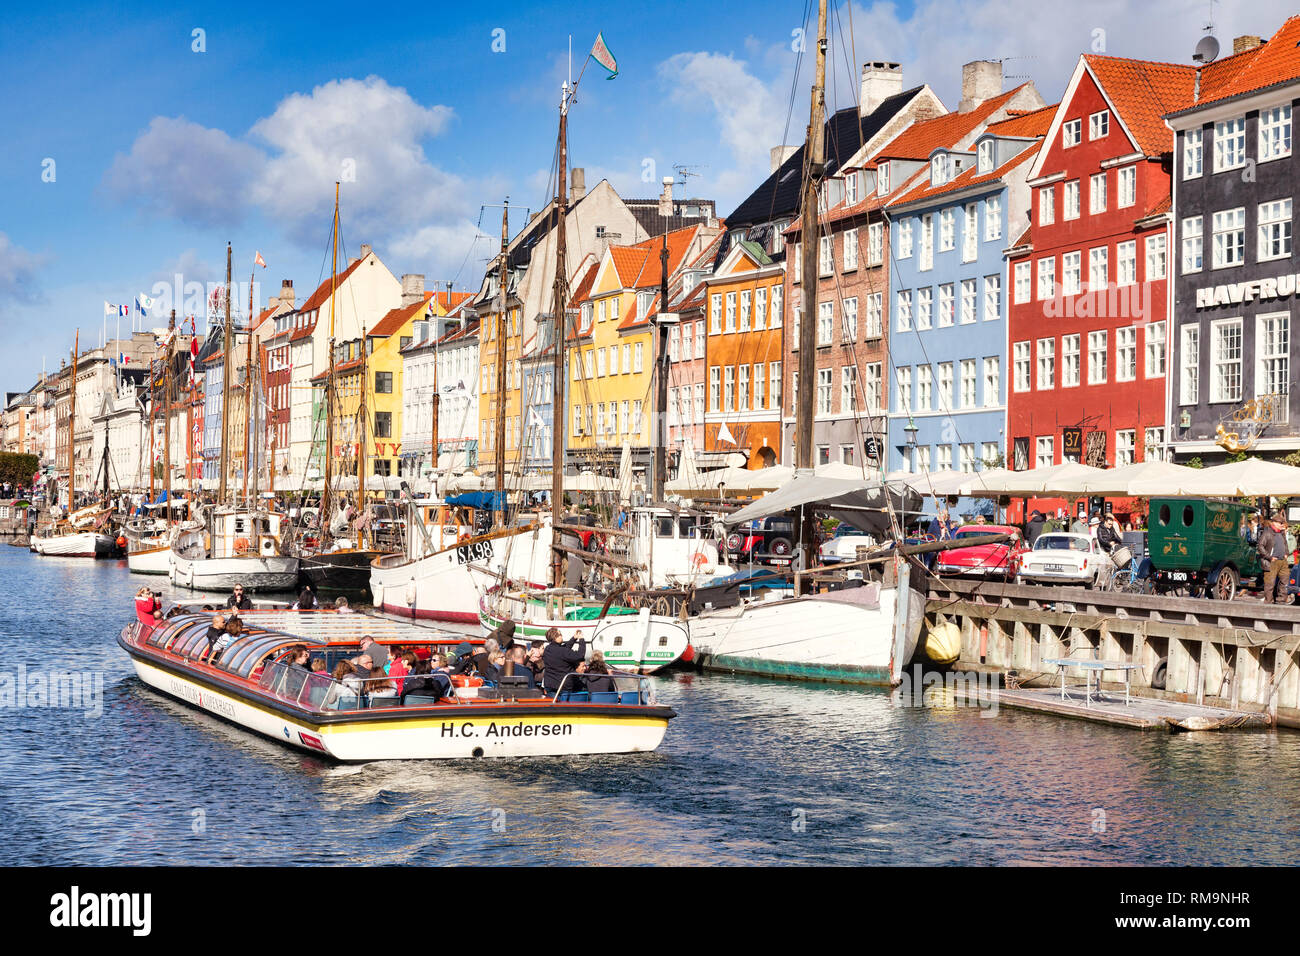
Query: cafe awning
[(862, 503)]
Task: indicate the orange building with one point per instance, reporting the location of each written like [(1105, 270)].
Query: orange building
[(744, 313)]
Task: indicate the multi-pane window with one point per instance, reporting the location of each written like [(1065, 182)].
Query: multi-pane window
[(875, 315), (638, 357), (848, 388), (850, 250), (967, 461), (1193, 243), (1229, 247), (699, 333), (969, 383), (825, 322), (992, 381), (1154, 333), (729, 388), (946, 305), (992, 298), (758, 386), (924, 307), (1098, 267), (849, 319), (778, 299), (924, 388), (1020, 371), (774, 385), (1097, 193), (1189, 390), (905, 310), (1071, 272), (731, 312), (1126, 265), (947, 229), (1273, 347), (1047, 205), (851, 188), (1044, 454), (871, 387), (1047, 277), (903, 400), (600, 362), (1126, 354), (715, 384), (984, 156), (1069, 361), (1156, 258), (968, 300), (905, 239), (1153, 442), (1126, 186), (1046, 364), (993, 218), (1274, 230), (927, 242), (1125, 446), (1023, 279), (875, 243), (1071, 132), (882, 179), (1275, 133), (826, 255), (760, 307), (674, 343), (746, 301), (1099, 124), (970, 233), (1193, 153), (1071, 200), (742, 388), (715, 314), (1225, 360), (1098, 355), (1230, 144), (945, 386), (944, 452)]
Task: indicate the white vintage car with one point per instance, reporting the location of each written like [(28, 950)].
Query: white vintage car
[(1064, 558)]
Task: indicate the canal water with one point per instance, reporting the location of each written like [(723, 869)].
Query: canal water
[(752, 771)]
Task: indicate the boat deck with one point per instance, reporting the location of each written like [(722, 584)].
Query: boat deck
[(327, 625), (1140, 713)]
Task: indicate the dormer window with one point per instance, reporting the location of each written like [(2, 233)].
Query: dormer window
[(939, 169), (851, 189), (882, 179), (643, 300), (985, 157)]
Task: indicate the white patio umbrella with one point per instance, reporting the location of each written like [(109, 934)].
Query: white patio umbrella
[(1120, 481), (1248, 478), (1036, 481)]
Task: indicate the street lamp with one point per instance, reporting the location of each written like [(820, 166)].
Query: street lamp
[(910, 431)]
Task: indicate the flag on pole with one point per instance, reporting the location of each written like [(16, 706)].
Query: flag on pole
[(143, 304), (724, 434), (116, 309), (258, 260), (600, 53)]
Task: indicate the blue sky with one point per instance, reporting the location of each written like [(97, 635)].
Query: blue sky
[(162, 154)]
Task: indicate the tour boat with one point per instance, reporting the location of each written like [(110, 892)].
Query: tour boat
[(253, 685), (233, 547)]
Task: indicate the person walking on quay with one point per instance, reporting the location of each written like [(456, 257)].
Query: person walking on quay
[(1273, 557)]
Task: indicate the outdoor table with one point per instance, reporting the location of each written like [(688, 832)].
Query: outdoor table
[(1089, 668)]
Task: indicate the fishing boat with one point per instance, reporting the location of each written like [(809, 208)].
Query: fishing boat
[(253, 685), (233, 546), (80, 536)]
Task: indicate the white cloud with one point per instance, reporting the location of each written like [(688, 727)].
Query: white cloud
[(18, 270)]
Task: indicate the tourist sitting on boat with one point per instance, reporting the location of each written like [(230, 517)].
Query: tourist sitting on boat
[(595, 674), (560, 658), (341, 605), (234, 628), (381, 687), (345, 681), (535, 661), (378, 653), (516, 665), (238, 600), (403, 663), (215, 632), (306, 600), (470, 661), (148, 609), (300, 657)]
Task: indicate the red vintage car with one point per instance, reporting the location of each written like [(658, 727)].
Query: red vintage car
[(1001, 560)]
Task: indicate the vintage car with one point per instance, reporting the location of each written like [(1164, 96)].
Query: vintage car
[(1199, 546), (1065, 558), (762, 541), (998, 560)]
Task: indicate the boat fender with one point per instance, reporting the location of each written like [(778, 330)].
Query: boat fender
[(688, 655), (1160, 674), (121, 541), (410, 594), (943, 643)]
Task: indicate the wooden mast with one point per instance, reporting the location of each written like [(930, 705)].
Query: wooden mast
[(814, 166), (153, 412), (248, 384), (501, 372), (661, 383), (225, 391), (167, 416), (329, 379), (72, 428), (361, 442), (559, 414)]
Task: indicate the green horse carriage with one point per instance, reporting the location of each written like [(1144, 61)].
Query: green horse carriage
[(1199, 547)]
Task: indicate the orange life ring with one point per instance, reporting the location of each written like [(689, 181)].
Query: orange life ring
[(698, 559), (241, 545)]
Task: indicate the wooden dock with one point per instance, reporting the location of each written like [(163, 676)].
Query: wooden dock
[(1140, 713)]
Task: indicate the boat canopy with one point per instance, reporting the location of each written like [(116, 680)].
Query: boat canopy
[(482, 500), (186, 636), (862, 503)]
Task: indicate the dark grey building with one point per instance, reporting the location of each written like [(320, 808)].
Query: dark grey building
[(1236, 276)]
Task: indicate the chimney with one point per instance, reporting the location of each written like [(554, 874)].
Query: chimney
[(412, 288), (1243, 43), (980, 80), (365, 249), (666, 200), (286, 293), (881, 79), (780, 154), (577, 184)]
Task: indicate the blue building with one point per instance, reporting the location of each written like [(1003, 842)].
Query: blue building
[(949, 229)]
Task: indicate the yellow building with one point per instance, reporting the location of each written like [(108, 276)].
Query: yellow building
[(383, 390), (611, 361)]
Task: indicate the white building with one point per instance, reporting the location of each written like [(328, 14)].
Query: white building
[(449, 344)]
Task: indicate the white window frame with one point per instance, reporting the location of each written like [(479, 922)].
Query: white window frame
[(1126, 347), (1155, 348), (1071, 359), (1228, 238), (1193, 153), (1189, 357), (1274, 133), (1099, 124), (1230, 144), (1192, 255), (1157, 257), (1097, 193), (1098, 356), (1045, 353), (1218, 393), (1125, 187), (1071, 133), (1273, 240), (1022, 364)]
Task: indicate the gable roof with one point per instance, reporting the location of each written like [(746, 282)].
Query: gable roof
[(322, 292), (778, 196), (966, 179), (1025, 123), (1274, 63), (921, 139)]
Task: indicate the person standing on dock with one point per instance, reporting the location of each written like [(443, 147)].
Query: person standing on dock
[(1273, 557)]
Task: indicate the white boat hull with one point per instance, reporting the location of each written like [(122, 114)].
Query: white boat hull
[(254, 571), (80, 544), (156, 560), (642, 644), (432, 738)]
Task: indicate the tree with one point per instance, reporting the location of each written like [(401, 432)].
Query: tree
[(18, 469)]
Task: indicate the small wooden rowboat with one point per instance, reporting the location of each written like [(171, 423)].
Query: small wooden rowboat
[(252, 684)]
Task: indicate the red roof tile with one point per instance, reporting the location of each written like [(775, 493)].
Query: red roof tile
[(1025, 122), (1277, 61), (322, 292), (969, 177), (919, 140), (394, 319)]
